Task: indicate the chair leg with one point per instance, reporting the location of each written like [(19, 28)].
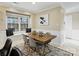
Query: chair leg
[(48, 48), (43, 50)]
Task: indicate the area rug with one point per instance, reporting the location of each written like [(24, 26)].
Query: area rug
[(27, 51)]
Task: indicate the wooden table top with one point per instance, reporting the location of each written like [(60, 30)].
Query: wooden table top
[(43, 39)]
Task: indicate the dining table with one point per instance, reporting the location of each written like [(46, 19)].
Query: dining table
[(42, 40)]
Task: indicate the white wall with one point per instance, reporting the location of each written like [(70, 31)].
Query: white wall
[(55, 23), (2, 38)]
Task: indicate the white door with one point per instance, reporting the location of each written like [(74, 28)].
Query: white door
[(68, 27)]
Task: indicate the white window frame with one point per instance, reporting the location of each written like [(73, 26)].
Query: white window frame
[(20, 31)]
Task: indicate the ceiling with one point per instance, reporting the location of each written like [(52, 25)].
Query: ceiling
[(38, 6)]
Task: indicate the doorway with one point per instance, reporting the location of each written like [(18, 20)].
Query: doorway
[(67, 27)]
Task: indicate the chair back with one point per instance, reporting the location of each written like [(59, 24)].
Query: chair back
[(28, 30), (9, 31), (16, 52), (32, 43), (7, 45)]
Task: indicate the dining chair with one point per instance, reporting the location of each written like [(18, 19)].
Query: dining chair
[(32, 43), (7, 48), (16, 52), (26, 39)]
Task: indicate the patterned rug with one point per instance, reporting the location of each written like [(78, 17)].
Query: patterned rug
[(54, 51)]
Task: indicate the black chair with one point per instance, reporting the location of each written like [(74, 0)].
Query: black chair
[(28, 30), (16, 52), (26, 38), (9, 31), (6, 49)]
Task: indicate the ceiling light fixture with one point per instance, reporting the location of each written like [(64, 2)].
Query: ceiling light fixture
[(15, 3), (33, 2)]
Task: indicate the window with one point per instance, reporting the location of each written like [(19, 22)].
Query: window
[(18, 22), (13, 23), (23, 22)]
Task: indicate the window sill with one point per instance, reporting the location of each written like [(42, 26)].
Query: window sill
[(19, 32)]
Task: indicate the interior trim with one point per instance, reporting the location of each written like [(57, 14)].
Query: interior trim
[(17, 13)]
